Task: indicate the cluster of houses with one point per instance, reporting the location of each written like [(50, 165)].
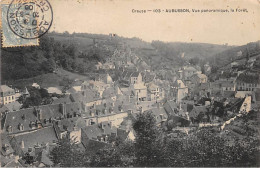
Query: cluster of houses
[(95, 113)]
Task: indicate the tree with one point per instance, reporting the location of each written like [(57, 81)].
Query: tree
[(67, 154), (147, 142)]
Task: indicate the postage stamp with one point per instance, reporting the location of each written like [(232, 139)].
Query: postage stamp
[(25, 21)]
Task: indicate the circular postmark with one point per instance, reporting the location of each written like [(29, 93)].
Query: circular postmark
[(29, 19)]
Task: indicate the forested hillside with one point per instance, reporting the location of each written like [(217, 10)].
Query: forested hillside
[(26, 62)]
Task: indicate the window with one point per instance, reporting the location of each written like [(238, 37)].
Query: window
[(9, 129), (21, 127), (12, 97)]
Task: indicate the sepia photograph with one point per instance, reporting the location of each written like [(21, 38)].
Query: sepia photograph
[(130, 84)]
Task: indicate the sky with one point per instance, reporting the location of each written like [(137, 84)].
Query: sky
[(116, 16)]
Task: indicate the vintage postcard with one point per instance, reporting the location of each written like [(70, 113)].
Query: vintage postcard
[(130, 83)]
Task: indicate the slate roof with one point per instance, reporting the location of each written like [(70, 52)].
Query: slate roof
[(69, 124), (13, 164), (122, 134), (169, 107), (246, 78), (65, 99), (158, 112), (6, 148), (24, 116), (135, 74), (92, 132), (5, 88), (197, 110), (227, 84), (44, 135), (109, 92), (14, 106)]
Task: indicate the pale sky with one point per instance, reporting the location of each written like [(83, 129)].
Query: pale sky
[(114, 16)]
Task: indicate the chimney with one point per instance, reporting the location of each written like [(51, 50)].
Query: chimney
[(22, 144), (63, 109), (92, 113), (111, 110), (120, 108), (39, 113), (23, 117), (20, 127), (37, 148)]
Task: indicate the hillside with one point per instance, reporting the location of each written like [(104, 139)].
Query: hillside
[(235, 53), (161, 55)]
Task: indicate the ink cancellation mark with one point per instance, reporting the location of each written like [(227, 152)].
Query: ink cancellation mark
[(29, 19)]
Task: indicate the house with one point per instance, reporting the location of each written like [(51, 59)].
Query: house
[(98, 86), (198, 79), (228, 76), (227, 86), (14, 106), (140, 91), (207, 69), (124, 135), (70, 128), (32, 141), (20, 121), (6, 152), (106, 78), (159, 114), (99, 133), (153, 92), (170, 107), (110, 93), (98, 66), (198, 114), (7, 95), (247, 82), (243, 94), (30, 119), (132, 77), (180, 90), (187, 72), (113, 112)]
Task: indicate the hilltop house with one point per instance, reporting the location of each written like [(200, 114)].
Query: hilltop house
[(7, 95)]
